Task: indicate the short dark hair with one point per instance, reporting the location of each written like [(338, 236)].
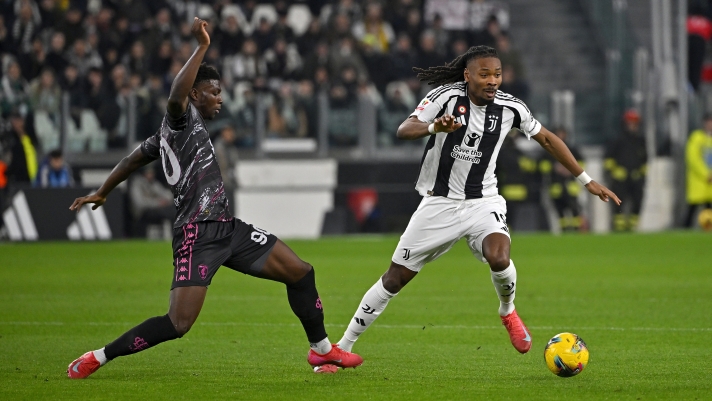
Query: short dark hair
[(55, 154), (454, 71), (206, 73)]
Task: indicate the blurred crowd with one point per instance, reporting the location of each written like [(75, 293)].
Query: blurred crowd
[(88, 63)]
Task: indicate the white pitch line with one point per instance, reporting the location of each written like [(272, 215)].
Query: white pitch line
[(384, 326)]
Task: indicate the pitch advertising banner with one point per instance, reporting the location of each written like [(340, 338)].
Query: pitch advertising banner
[(43, 214)]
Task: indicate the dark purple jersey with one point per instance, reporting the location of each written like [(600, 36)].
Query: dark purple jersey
[(188, 159)]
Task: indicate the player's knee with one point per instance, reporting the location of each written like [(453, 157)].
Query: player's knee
[(182, 327), (498, 261)]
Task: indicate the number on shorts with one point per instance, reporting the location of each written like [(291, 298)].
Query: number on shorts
[(498, 217)]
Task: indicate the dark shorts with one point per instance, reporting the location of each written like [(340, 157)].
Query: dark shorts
[(199, 249)]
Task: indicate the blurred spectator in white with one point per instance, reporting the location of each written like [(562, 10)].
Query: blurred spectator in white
[(46, 95), (482, 10), (286, 118), (227, 156), (14, 91), (509, 55), (55, 56), (151, 202), (244, 66), (54, 172), (283, 60), (456, 12), (25, 27), (398, 104), (83, 58), (372, 31)]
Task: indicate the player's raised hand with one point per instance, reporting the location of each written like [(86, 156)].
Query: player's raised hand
[(199, 31), (446, 123), (93, 198), (602, 192)]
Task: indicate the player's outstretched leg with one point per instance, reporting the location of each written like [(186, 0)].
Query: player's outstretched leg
[(504, 277), (374, 302), (284, 265), (186, 303)]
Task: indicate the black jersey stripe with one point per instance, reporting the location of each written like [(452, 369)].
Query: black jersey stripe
[(511, 99), (443, 89), (490, 138), (446, 87), (442, 177), (517, 118)]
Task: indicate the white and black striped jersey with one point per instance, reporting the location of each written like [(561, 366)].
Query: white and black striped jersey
[(460, 164)]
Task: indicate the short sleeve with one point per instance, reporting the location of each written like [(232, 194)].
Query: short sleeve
[(151, 147), (429, 107), (528, 124)]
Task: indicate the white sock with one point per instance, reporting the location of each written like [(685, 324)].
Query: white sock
[(322, 347), (373, 303), (100, 356), (505, 284)]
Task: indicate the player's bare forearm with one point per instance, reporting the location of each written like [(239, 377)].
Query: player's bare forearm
[(119, 174), (183, 82), (412, 128), (557, 148)]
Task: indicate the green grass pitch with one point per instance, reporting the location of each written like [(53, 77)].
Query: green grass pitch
[(641, 302)]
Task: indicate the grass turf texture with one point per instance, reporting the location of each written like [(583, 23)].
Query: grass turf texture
[(641, 303)]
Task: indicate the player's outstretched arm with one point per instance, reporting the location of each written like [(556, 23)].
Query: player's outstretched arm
[(183, 82), (413, 128), (557, 148), (120, 173)]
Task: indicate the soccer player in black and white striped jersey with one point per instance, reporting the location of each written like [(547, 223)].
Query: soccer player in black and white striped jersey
[(466, 118)]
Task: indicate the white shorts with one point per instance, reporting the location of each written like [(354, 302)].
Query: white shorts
[(440, 222)]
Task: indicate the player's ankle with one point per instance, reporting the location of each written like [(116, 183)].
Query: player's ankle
[(322, 347)]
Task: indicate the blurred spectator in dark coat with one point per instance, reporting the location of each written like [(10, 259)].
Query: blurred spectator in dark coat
[(83, 57), (283, 60), (22, 145), (510, 56), (403, 59), (513, 85), (264, 35), (318, 58), (46, 95), (309, 39), (55, 56), (229, 36)]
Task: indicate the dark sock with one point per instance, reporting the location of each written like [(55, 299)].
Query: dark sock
[(305, 303), (147, 334)]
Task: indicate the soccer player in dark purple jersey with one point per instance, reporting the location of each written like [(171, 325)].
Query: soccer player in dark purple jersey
[(206, 235)]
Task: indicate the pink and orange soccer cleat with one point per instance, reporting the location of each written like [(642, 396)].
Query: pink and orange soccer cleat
[(518, 332), (336, 356), (83, 366)]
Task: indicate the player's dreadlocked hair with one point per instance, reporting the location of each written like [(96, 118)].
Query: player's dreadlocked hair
[(453, 71), (206, 73)]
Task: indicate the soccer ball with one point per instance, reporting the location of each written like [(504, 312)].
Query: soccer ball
[(705, 219), (566, 355)]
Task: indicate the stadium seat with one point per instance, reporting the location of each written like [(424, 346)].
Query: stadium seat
[(47, 131), (298, 18)]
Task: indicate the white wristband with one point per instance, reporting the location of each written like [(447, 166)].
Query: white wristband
[(584, 178), (431, 128)]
